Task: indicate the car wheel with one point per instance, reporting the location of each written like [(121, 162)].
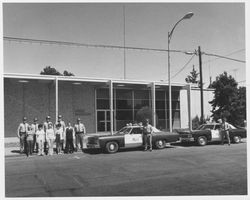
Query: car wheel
[(112, 147), (202, 141), (160, 144), (236, 139)]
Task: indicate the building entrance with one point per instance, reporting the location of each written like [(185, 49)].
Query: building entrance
[(103, 120)]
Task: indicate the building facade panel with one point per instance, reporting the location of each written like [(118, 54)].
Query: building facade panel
[(77, 101), (31, 99)]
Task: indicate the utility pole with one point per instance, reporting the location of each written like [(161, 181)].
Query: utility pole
[(201, 84)]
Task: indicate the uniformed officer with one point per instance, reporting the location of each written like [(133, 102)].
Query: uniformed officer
[(225, 131), (21, 134), (63, 127), (34, 128), (147, 135), (45, 127), (80, 131)]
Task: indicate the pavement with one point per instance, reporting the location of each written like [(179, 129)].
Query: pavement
[(174, 171)]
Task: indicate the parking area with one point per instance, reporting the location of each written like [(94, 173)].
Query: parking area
[(174, 171)]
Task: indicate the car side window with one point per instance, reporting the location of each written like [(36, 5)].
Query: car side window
[(136, 131), (217, 127)]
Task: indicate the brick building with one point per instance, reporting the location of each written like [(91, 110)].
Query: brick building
[(100, 103)]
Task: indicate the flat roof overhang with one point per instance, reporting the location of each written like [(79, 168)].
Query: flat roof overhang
[(117, 83)]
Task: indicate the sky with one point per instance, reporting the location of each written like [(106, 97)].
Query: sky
[(218, 28)]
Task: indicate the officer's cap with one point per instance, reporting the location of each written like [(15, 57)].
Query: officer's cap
[(59, 116), (35, 119), (24, 118), (78, 119), (48, 117)]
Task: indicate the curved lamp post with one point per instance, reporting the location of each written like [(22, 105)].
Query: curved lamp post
[(187, 16)]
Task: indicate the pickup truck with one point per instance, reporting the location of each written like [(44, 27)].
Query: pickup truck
[(210, 133), (130, 137)]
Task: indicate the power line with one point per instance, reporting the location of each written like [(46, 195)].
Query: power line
[(234, 52), (209, 54), (183, 67), (54, 42)]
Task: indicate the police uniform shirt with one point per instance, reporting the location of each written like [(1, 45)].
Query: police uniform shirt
[(34, 127), (147, 129), (22, 128), (80, 128), (225, 126)]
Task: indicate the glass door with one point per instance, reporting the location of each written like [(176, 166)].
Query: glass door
[(103, 120)]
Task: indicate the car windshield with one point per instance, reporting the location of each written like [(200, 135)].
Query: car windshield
[(124, 130)]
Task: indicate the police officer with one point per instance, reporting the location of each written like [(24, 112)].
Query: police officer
[(147, 135), (21, 134), (80, 131), (63, 127), (225, 131), (45, 127), (34, 128)]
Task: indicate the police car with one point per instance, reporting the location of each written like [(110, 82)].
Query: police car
[(130, 137), (210, 133)]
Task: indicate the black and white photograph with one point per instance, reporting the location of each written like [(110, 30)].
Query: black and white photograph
[(124, 99)]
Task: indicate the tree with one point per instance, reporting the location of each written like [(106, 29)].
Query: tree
[(48, 70), (193, 77), (229, 101), (66, 73)]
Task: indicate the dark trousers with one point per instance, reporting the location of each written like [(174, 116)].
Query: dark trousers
[(147, 138), (29, 150), (69, 145), (22, 142), (79, 138), (35, 145), (223, 135)]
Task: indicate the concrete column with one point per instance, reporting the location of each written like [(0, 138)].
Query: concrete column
[(153, 103), (189, 106), (56, 83), (111, 106)]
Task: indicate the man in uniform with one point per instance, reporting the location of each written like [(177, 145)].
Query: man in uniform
[(34, 128), (21, 134), (80, 131), (63, 127), (147, 135), (45, 127), (225, 131)]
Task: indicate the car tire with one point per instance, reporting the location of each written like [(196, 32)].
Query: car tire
[(202, 141), (236, 139), (112, 147), (160, 144)]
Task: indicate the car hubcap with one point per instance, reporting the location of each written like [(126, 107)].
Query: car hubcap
[(160, 143), (112, 147), (202, 141)]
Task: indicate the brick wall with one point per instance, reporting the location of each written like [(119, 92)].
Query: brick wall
[(77, 101), (37, 99), (32, 99)]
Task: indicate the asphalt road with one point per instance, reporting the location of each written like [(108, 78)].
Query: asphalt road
[(175, 170)]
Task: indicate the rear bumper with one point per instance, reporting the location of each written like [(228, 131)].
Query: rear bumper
[(93, 146)]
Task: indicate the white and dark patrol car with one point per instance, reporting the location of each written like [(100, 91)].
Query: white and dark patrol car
[(210, 133), (130, 137)]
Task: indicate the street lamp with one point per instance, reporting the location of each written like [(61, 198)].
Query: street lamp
[(187, 16)]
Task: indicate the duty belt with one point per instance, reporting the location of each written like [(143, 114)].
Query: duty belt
[(79, 132)]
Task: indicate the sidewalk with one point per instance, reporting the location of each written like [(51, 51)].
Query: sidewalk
[(11, 144)]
